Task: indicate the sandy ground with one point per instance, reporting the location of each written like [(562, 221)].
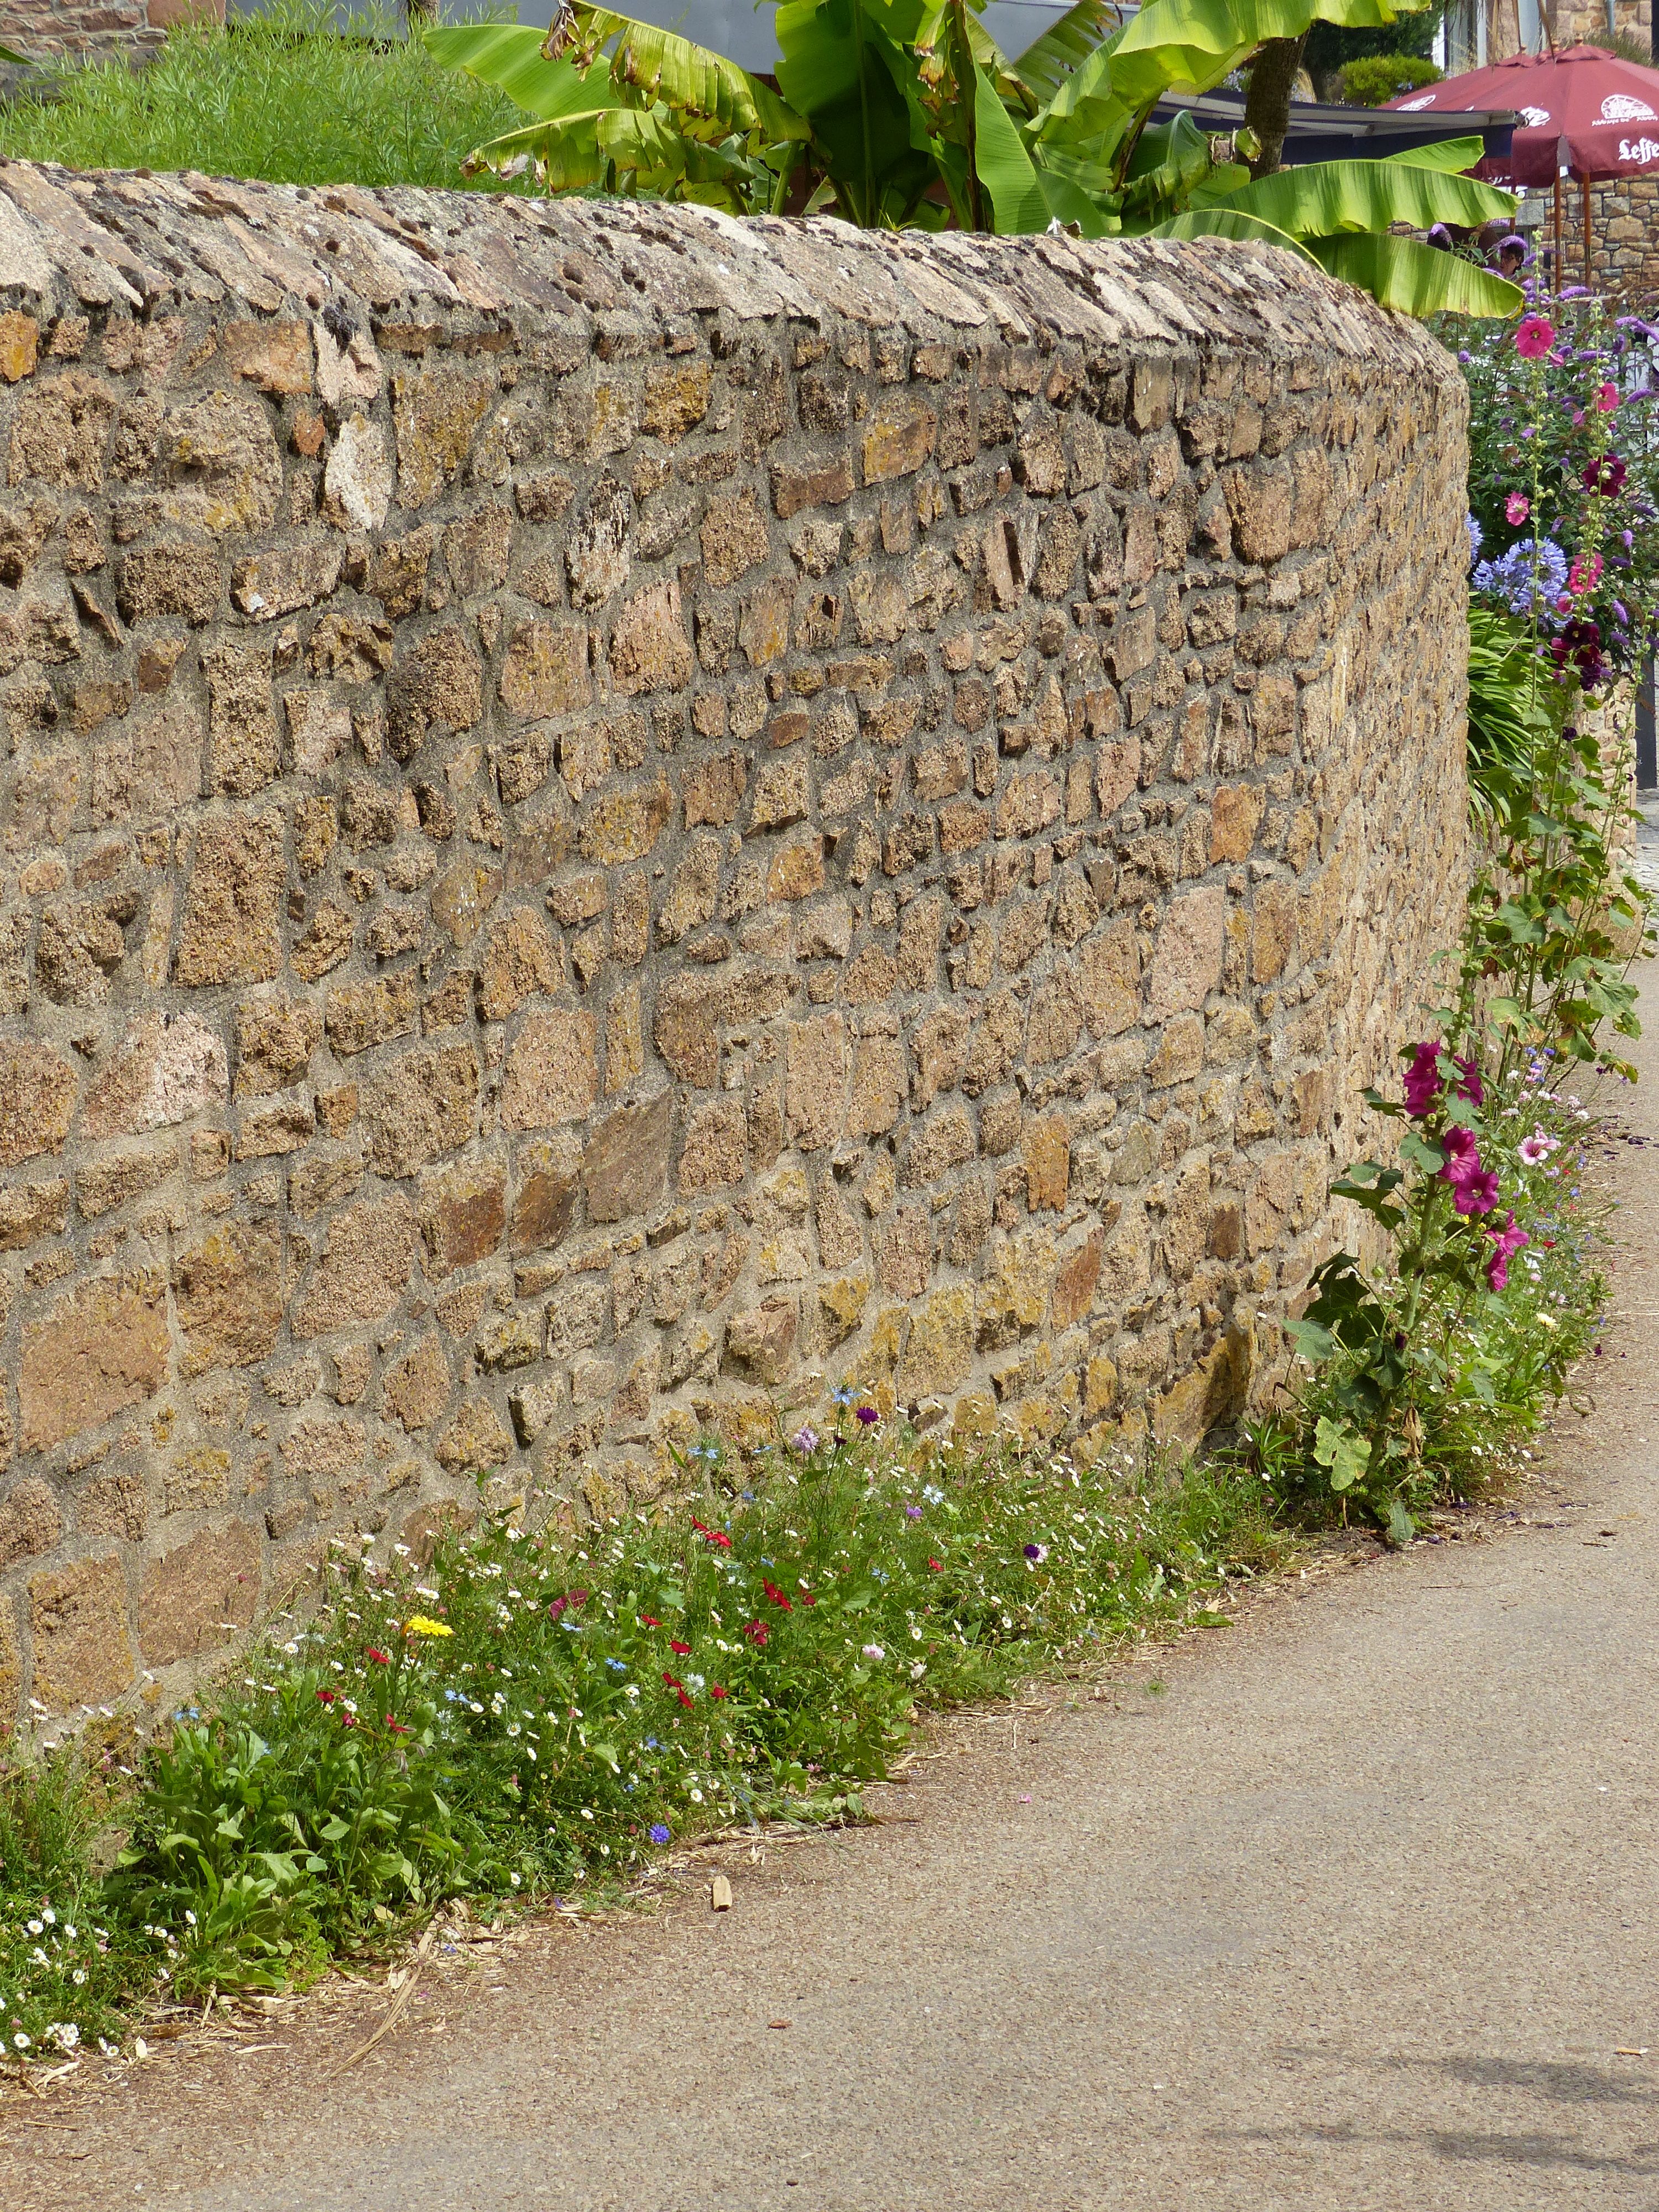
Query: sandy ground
[(1352, 1906)]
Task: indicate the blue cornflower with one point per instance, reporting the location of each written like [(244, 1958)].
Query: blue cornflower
[(659, 1834), (617, 1666), (650, 1744), (843, 1396)]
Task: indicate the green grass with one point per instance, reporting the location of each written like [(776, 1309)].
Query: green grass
[(533, 1712), (285, 97)]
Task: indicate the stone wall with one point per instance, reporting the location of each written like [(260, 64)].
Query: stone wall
[(606, 812)]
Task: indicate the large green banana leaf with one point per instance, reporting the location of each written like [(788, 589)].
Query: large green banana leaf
[(689, 80), (1454, 154), (1419, 280), (844, 66), (1227, 223), (1325, 197), (1025, 196), (510, 56), (1065, 46), (1191, 44)]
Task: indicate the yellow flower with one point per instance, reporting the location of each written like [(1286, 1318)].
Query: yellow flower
[(418, 1624)]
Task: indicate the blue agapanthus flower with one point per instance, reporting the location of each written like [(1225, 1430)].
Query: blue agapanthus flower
[(1512, 579), (1477, 538)]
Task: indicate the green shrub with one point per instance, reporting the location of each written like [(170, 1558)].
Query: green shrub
[(295, 97), (1375, 79)]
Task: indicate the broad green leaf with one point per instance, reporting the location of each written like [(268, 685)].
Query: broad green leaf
[(1315, 1345), (691, 80), (510, 57), (1323, 198), (1193, 44), (1167, 160), (1227, 223), (1026, 198), (1065, 46), (1416, 279), (1401, 1527), (1456, 155), (1347, 1455)]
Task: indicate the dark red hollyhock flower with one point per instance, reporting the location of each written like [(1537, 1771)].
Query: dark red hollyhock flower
[(1606, 476), (758, 1634), (378, 1656), (326, 1696), (715, 1691), (777, 1595), (712, 1534), (681, 1650)]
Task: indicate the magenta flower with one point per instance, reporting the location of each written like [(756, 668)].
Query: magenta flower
[(912, 1512), (1606, 476), (1474, 1189), (1036, 1554), (1505, 1240), (1536, 1149), (1534, 337), (1479, 1194), (1422, 1078), (1516, 507), (1469, 1085), (867, 1416), (1584, 574), (1607, 399)]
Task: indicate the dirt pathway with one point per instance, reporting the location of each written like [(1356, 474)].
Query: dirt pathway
[(1358, 1912)]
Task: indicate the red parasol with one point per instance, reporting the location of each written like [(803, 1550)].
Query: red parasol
[(1582, 111)]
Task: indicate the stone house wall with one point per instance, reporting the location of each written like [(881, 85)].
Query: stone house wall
[(605, 813)]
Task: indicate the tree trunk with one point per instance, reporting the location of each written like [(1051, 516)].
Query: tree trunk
[(1267, 103)]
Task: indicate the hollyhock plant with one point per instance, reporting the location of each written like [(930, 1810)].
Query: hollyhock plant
[(1533, 336), (1422, 1078), (1516, 507), (1505, 1241)]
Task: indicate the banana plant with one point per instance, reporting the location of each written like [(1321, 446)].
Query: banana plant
[(892, 114)]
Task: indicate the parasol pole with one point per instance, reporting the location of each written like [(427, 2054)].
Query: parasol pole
[(1555, 274), (1588, 286)]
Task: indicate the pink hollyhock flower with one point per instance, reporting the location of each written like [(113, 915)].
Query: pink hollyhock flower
[(1479, 1194), (1516, 507), (1584, 574), (1474, 1189), (1607, 399), (1534, 337), (1505, 1240), (1422, 1078)]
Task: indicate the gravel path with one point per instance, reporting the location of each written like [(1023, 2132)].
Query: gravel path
[(1357, 1911)]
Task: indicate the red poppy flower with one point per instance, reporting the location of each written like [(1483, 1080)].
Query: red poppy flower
[(378, 1656), (713, 1535), (807, 1598), (681, 1650), (683, 1699), (758, 1634), (715, 1691), (673, 1680), (649, 1621), (397, 1726), (777, 1596), (325, 1697), (348, 1720), (938, 1565)]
